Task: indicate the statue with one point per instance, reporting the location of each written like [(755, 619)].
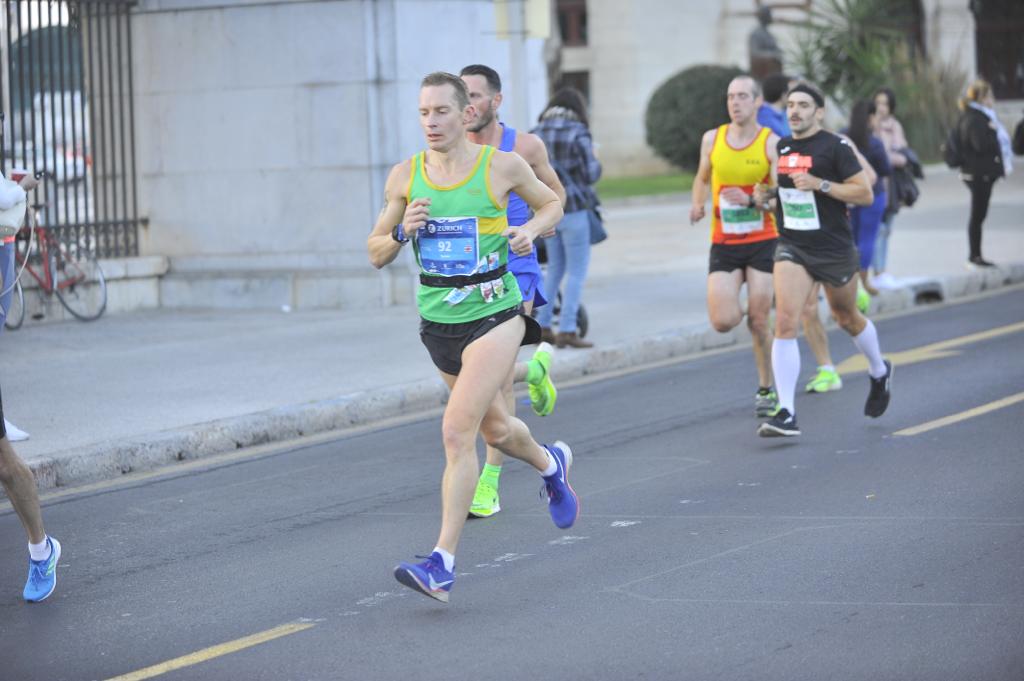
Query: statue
[(765, 54)]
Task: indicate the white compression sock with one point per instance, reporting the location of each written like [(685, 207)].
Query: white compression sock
[(449, 559), (40, 551), (867, 342), (552, 465), (786, 366)]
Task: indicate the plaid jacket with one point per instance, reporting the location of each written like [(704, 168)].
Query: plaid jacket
[(571, 151)]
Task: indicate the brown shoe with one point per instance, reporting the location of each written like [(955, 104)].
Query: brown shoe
[(572, 340), (547, 335)]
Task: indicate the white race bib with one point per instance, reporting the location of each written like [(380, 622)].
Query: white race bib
[(799, 210), (738, 218)]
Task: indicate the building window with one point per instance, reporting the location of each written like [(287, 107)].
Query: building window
[(576, 79), (572, 22), (999, 45)]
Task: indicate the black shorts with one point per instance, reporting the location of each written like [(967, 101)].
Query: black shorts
[(445, 342), (727, 257), (833, 268)]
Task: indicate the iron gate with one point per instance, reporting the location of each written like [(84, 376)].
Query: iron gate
[(68, 111)]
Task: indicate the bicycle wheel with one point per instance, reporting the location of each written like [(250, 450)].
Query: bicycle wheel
[(16, 312), (78, 282)]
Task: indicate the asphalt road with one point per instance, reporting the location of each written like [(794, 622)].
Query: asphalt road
[(702, 552)]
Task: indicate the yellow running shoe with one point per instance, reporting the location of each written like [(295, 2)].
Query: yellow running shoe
[(538, 380), (485, 501), (825, 381), (863, 300)]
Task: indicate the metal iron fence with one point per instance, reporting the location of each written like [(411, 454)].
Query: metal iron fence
[(68, 111)]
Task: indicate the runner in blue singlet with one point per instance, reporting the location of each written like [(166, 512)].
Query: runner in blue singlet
[(525, 267), (484, 86)]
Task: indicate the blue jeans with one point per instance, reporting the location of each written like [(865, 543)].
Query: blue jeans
[(7, 273), (568, 254), (881, 259), (865, 221)]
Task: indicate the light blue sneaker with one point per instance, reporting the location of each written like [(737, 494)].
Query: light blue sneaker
[(429, 577), (42, 575), (563, 503)]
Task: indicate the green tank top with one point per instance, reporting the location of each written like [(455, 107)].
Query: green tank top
[(462, 237)]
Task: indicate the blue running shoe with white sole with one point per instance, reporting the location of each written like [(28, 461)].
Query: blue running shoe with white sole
[(42, 574), (563, 503), (430, 577)]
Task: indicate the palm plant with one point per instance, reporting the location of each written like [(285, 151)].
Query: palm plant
[(850, 48)]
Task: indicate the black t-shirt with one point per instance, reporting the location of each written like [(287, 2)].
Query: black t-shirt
[(811, 220)]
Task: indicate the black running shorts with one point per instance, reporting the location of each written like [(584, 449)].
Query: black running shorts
[(445, 342), (759, 255), (834, 269)]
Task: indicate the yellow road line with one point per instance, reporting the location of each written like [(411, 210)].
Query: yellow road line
[(962, 416), (214, 651), (931, 351)]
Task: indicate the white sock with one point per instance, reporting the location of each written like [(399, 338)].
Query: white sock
[(827, 367), (552, 465), (40, 551), (786, 366), (867, 342), (449, 559)]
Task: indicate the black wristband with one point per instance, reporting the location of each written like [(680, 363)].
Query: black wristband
[(398, 234)]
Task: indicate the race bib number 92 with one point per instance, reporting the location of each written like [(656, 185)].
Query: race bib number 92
[(449, 246)]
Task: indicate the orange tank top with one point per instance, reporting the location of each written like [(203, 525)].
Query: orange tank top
[(743, 168)]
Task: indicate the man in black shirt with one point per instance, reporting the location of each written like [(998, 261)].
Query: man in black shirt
[(818, 175)]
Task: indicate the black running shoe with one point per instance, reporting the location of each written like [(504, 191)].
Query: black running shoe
[(783, 424), (878, 398)]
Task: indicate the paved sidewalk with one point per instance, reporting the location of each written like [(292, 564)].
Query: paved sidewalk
[(136, 391)]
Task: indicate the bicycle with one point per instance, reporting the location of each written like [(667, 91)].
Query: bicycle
[(68, 269)]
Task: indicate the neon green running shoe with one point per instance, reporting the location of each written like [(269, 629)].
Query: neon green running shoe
[(485, 501), (538, 380), (825, 381), (863, 300), (766, 403)]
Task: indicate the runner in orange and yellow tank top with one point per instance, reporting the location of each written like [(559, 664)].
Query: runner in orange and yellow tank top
[(742, 168), (734, 158)]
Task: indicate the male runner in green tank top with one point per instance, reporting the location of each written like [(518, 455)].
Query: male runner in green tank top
[(449, 201)]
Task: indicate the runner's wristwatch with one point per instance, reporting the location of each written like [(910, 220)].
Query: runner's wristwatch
[(825, 187), (398, 234)]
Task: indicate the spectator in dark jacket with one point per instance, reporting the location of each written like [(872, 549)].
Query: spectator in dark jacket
[(865, 220), (564, 129), (985, 147)]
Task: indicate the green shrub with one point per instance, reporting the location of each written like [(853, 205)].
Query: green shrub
[(683, 108)]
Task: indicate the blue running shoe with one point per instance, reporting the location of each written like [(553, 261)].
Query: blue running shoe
[(42, 574), (562, 501), (429, 577)]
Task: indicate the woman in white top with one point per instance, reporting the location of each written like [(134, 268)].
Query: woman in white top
[(11, 194), (889, 130)]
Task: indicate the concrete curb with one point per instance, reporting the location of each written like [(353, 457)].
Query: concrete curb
[(107, 460)]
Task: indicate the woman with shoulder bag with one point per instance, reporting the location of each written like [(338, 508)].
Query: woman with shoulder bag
[(985, 149), (564, 129)]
